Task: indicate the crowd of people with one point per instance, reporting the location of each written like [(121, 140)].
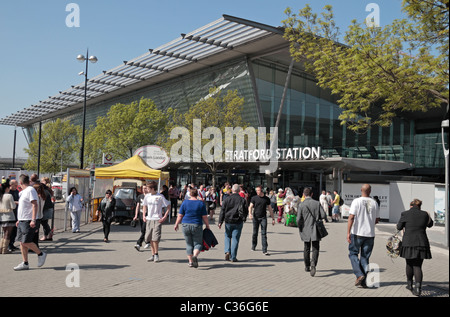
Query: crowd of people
[(22, 213), (283, 206), (26, 204)]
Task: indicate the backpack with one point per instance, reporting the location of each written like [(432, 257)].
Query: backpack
[(240, 209), (341, 201)]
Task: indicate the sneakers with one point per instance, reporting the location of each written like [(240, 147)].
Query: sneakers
[(137, 247), (21, 267), (153, 258), (41, 259)]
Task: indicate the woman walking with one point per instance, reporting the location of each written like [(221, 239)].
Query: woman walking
[(7, 218), (192, 214), (415, 245), (106, 207), (48, 210), (211, 202), (75, 206)]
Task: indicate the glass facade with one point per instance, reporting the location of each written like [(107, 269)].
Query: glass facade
[(310, 115), (181, 93)]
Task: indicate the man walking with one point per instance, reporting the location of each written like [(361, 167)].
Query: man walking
[(364, 214), (138, 217), (26, 223), (257, 211), (234, 212), (309, 211), (335, 202), (154, 203), (174, 193)]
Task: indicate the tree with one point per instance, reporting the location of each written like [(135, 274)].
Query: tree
[(216, 113), (373, 76), (59, 146), (125, 128)]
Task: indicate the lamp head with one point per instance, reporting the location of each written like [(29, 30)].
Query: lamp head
[(81, 58), (93, 59)]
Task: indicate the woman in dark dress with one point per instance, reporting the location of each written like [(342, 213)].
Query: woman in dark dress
[(415, 245), (106, 207)]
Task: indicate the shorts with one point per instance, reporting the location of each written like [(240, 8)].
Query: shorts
[(336, 209), (153, 231), (25, 233)]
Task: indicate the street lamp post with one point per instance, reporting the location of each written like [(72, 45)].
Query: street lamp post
[(86, 59), (445, 124)]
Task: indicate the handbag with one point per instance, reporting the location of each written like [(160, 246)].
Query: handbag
[(394, 245), (320, 227), (321, 230)]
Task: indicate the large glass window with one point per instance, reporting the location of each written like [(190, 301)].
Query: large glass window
[(310, 117)]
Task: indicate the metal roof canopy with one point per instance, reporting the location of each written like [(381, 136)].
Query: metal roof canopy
[(223, 35)]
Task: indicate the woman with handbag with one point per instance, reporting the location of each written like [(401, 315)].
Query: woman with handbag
[(415, 245), (192, 214), (7, 218)]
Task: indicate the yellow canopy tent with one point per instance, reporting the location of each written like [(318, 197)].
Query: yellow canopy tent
[(134, 167)]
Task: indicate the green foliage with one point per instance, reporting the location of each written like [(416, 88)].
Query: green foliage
[(217, 110), (59, 144), (373, 76), (126, 128)]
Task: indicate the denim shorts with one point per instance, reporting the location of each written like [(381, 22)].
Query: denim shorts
[(193, 234), (336, 210)]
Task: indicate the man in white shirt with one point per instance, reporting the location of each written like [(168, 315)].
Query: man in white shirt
[(26, 223), (153, 205), (364, 214)]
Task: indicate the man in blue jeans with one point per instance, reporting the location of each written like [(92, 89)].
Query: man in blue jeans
[(234, 212), (364, 214), (257, 211)]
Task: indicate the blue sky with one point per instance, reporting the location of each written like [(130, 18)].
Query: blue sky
[(38, 51)]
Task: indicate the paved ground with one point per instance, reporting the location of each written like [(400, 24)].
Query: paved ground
[(117, 269)]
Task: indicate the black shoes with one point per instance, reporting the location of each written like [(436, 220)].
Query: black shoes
[(311, 269), (417, 290), (409, 285)]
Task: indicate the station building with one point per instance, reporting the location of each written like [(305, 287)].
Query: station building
[(253, 58)]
